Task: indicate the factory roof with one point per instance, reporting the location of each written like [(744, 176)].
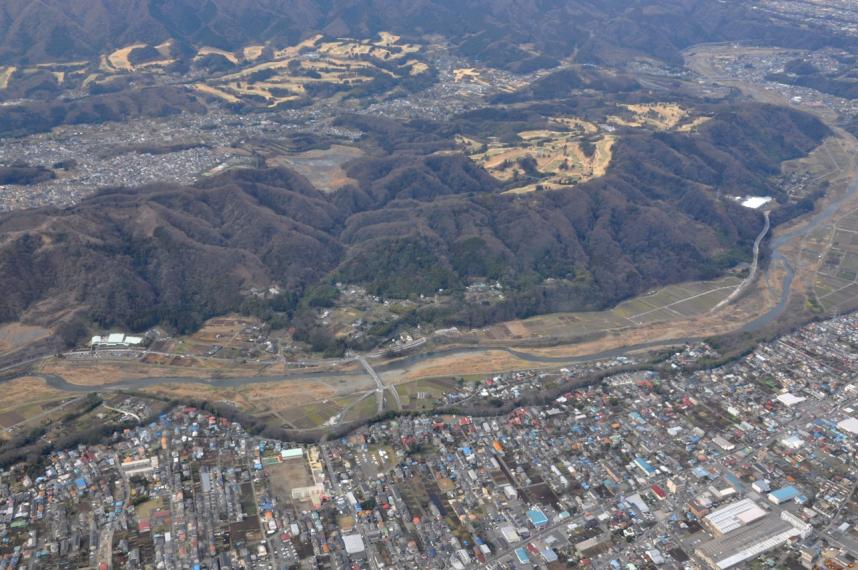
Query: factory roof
[(735, 515), (747, 543)]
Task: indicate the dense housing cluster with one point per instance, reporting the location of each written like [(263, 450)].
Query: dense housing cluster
[(666, 467)]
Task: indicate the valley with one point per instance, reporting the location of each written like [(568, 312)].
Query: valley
[(395, 196)]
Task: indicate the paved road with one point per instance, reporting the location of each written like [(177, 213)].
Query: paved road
[(123, 412), (743, 286), (379, 390)]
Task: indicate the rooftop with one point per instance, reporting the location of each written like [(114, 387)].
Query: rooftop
[(735, 515)]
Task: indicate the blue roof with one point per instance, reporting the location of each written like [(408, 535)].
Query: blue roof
[(537, 517), (785, 493), (734, 481), (700, 472), (548, 554), (522, 556), (644, 464), (81, 483)]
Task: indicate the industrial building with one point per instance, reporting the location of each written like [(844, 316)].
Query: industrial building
[(746, 543), (783, 495), (645, 466), (733, 516)]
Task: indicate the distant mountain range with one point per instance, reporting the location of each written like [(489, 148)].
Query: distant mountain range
[(506, 33)]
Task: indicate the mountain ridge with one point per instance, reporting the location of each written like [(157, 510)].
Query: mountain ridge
[(410, 225), (490, 30)]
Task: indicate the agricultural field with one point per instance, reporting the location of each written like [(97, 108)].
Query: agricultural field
[(26, 400), (828, 163), (836, 285), (422, 394), (222, 338)]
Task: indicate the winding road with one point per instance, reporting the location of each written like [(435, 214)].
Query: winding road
[(752, 275)]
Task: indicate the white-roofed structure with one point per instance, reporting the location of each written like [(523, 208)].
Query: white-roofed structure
[(354, 545), (723, 443), (789, 399), (510, 535), (115, 340), (746, 544), (293, 453), (850, 425), (733, 516), (755, 202)]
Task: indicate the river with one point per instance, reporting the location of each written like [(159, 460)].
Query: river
[(777, 245)]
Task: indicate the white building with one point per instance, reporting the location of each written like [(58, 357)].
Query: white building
[(850, 425), (115, 340), (747, 543), (354, 545), (733, 516)]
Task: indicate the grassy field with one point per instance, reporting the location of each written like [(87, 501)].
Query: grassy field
[(17, 335), (558, 152), (296, 70), (672, 302), (27, 397), (117, 61), (659, 116), (570, 150), (5, 75), (421, 394)]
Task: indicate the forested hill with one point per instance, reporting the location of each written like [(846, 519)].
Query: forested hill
[(493, 31), (415, 221)]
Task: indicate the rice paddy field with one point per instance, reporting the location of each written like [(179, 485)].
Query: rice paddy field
[(836, 285)]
